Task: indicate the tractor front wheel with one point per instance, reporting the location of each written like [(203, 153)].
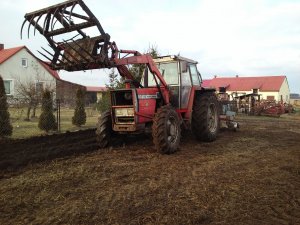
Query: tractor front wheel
[(104, 129), (166, 130), (205, 117)]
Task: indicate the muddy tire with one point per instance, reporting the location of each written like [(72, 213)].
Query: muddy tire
[(166, 130), (104, 129), (205, 117)]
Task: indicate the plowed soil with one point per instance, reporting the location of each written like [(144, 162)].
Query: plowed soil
[(247, 177)]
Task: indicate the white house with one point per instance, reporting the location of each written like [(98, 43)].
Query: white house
[(18, 66), (268, 87)]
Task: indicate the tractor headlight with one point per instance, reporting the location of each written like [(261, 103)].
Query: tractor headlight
[(124, 112)]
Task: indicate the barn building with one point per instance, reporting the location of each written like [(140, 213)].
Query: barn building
[(268, 87)]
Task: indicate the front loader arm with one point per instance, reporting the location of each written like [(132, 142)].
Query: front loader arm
[(79, 51), (142, 59), (138, 58)]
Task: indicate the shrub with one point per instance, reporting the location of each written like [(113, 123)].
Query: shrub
[(5, 126), (104, 104), (47, 118), (79, 117)]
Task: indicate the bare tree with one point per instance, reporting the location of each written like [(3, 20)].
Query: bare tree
[(27, 91), (30, 90)]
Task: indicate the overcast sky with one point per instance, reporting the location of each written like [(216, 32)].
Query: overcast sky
[(244, 37)]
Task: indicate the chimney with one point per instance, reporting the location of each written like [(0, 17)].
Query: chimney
[(1, 47), (236, 76), (215, 76)]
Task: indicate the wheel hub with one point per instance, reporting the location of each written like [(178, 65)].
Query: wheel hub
[(212, 118), (172, 130)]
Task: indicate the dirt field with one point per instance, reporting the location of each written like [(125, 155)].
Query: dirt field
[(247, 177)]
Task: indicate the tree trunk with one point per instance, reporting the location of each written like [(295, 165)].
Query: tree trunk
[(34, 104), (33, 112), (28, 113)]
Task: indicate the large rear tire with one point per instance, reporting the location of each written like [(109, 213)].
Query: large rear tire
[(166, 130), (205, 117), (104, 129)]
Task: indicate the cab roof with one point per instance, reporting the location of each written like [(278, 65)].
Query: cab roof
[(169, 58)]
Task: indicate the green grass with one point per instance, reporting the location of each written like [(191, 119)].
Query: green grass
[(25, 129)]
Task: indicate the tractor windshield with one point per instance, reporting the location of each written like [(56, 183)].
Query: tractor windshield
[(168, 70)]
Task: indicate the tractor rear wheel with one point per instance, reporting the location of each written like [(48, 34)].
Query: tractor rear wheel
[(166, 130), (205, 117), (104, 129)]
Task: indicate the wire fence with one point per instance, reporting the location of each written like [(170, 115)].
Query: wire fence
[(25, 118)]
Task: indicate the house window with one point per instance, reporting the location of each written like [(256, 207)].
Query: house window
[(271, 98), (24, 62), (8, 86), (255, 91)]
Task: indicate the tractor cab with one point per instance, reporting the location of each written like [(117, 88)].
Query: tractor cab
[(168, 98), (179, 73)]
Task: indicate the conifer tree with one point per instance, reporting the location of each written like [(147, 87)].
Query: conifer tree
[(47, 118), (5, 126), (79, 117), (137, 69)]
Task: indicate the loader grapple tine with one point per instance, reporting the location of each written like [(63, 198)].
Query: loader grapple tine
[(52, 20), (59, 21), (73, 6), (62, 17), (46, 22), (44, 55), (30, 22), (22, 28), (51, 54), (37, 21)]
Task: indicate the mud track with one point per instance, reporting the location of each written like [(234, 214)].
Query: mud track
[(16, 154), (247, 177)]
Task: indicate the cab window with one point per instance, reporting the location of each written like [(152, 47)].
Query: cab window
[(194, 74), (185, 77), (169, 72)]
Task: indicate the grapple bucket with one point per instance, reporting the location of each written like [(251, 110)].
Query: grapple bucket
[(64, 26)]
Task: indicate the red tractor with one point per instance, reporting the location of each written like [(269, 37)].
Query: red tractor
[(169, 97)]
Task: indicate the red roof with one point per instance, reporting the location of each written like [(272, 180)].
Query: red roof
[(265, 83), (5, 54), (96, 89), (54, 73), (206, 83)]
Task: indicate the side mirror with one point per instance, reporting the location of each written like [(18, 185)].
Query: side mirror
[(184, 67)]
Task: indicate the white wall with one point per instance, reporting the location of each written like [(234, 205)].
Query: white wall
[(285, 91), (12, 69)]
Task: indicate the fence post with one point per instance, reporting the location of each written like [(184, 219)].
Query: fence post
[(58, 114)]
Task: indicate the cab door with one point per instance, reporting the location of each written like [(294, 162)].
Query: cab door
[(186, 85), (170, 73)]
